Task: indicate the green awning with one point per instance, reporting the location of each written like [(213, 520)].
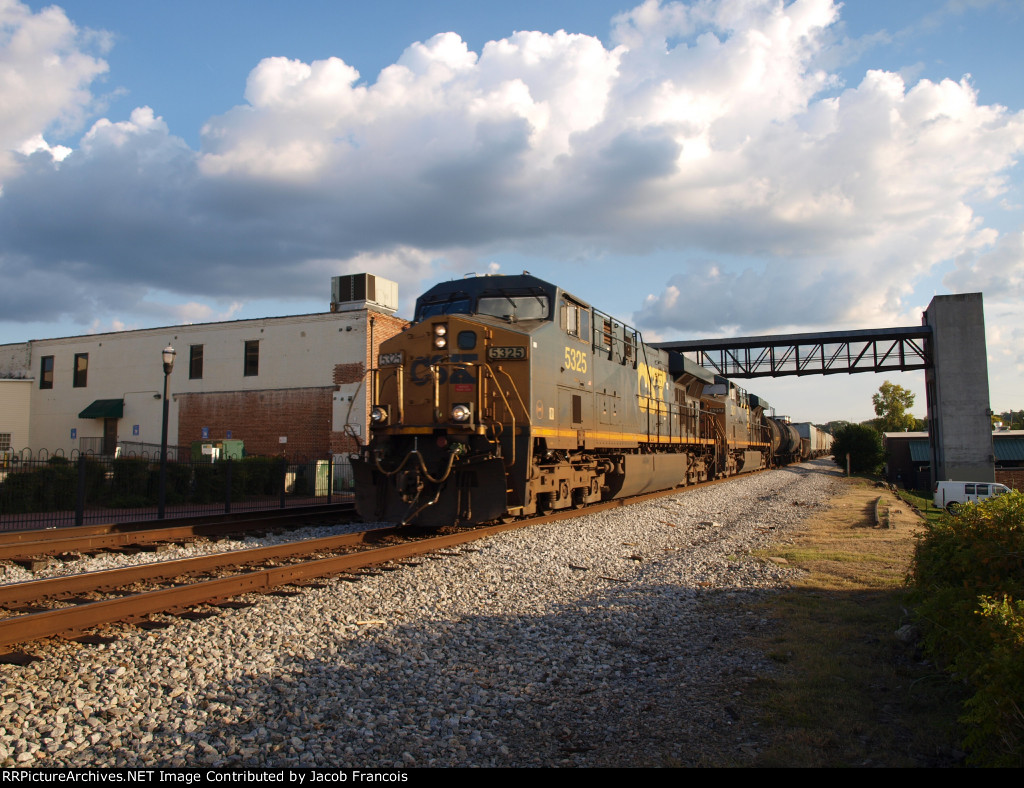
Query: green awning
[(919, 451), (104, 409)]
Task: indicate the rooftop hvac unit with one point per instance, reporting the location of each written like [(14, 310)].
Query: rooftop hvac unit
[(359, 291)]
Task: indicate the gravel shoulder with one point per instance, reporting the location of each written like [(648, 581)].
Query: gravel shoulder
[(610, 640)]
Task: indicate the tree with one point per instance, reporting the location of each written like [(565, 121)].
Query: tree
[(891, 405), (863, 444)]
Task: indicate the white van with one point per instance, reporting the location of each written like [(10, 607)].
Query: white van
[(947, 494)]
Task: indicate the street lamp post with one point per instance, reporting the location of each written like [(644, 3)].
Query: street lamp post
[(168, 357)]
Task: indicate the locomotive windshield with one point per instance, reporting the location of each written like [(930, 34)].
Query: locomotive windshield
[(510, 307), (532, 307), (451, 306)]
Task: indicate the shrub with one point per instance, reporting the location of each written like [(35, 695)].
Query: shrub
[(258, 475), (208, 486), (864, 444), (968, 578), (130, 480), (996, 712), (51, 486)]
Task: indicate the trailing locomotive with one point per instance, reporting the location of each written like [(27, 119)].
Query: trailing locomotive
[(508, 396)]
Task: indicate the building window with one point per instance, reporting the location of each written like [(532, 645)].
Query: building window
[(195, 362), (46, 372), (252, 358), (81, 370), (5, 442)]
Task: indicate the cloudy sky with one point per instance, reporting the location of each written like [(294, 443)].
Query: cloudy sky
[(704, 168)]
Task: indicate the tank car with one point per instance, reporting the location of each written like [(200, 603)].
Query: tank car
[(787, 443), (508, 396)]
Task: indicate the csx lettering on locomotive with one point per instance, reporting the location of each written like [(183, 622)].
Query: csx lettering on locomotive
[(424, 369)]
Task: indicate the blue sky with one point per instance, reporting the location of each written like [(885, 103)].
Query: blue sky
[(700, 169)]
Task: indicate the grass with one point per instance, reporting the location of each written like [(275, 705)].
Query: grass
[(846, 691), (922, 501)]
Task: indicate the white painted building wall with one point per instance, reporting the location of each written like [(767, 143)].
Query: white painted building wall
[(294, 352), (15, 396)]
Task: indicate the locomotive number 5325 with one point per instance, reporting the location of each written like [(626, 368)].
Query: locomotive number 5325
[(576, 360)]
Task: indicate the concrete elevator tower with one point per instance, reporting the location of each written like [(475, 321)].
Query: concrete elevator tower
[(959, 417)]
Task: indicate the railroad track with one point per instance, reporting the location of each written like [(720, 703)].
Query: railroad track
[(26, 545), (74, 606)]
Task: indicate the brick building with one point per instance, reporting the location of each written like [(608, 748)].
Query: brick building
[(909, 459), (286, 386)]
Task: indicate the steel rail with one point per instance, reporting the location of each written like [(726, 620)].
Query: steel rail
[(241, 516), (31, 591), (74, 539)]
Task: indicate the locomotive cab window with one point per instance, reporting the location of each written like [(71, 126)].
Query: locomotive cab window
[(450, 306), (576, 319)]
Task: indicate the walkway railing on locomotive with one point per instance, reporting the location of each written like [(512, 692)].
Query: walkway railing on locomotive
[(610, 334), (652, 406), (689, 419)]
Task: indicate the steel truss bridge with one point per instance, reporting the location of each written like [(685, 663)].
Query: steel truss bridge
[(823, 353)]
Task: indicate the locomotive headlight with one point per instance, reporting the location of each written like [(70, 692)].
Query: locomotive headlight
[(378, 416), (440, 335), (440, 342), (461, 413)]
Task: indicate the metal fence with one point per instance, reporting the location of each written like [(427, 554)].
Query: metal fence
[(44, 490)]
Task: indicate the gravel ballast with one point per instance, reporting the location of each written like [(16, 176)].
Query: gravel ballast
[(609, 640)]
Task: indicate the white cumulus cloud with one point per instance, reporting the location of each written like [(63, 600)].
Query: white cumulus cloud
[(46, 68), (718, 130)]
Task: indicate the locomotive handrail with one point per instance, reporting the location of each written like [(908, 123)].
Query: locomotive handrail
[(401, 393), (650, 387), (504, 399), (508, 406), (519, 396), (486, 367), (375, 373)]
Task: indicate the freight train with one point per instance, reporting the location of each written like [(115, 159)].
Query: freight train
[(508, 396)]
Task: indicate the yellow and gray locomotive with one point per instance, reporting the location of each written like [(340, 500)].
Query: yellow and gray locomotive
[(508, 396)]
